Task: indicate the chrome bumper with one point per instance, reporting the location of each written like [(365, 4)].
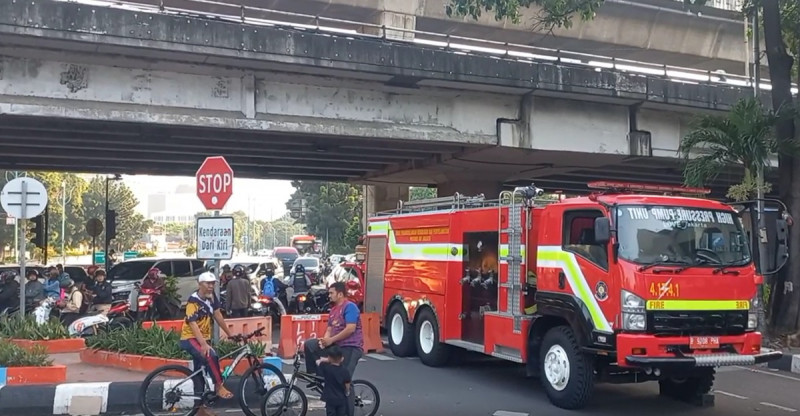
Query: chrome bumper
[(703, 360)]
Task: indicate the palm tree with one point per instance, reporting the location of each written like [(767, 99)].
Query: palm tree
[(744, 137)]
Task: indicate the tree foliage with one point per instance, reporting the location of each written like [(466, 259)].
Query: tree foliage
[(330, 210), (131, 225), (745, 137), (549, 14)]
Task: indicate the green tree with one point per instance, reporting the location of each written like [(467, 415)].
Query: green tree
[(330, 208), (131, 225), (416, 193), (744, 137), (239, 227), (550, 13)]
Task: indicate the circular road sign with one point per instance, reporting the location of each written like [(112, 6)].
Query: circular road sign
[(35, 199), (94, 227), (214, 183)]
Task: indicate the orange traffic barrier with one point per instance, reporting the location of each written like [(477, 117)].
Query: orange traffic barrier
[(299, 328), (235, 325), (371, 326)]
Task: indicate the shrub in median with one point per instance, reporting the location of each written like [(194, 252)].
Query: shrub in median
[(12, 355), (155, 342), (15, 328)]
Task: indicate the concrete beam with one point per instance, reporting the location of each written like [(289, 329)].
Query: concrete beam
[(247, 47), (658, 31)]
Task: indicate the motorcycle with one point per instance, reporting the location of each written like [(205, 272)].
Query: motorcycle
[(142, 304), (315, 301), (119, 315), (263, 305)]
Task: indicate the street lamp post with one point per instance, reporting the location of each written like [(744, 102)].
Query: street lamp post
[(116, 177)]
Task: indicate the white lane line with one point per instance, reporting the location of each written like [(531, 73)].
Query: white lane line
[(788, 409), (507, 413), (380, 357), (771, 374), (725, 393)]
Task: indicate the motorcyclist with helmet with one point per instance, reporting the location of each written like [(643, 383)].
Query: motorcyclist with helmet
[(155, 280), (34, 289), (300, 283), (239, 291), (9, 290)]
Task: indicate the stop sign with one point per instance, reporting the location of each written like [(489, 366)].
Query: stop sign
[(214, 183)]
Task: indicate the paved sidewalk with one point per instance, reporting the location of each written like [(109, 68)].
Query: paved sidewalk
[(80, 372)]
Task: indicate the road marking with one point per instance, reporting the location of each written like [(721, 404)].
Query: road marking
[(380, 357), (507, 413), (725, 393), (788, 409), (771, 374)]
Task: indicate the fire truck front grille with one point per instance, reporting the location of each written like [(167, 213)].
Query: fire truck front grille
[(697, 322)]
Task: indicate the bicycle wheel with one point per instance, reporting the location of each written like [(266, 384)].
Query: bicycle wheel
[(276, 402), (367, 400), (165, 391), (255, 383)]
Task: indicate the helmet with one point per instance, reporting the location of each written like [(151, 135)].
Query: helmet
[(299, 269), (32, 272), (155, 272), (66, 283), (238, 271)]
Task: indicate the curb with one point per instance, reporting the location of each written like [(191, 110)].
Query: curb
[(788, 362), (102, 398)]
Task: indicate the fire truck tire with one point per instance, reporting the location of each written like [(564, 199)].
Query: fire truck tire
[(687, 388), (401, 333), (566, 373), (431, 352)]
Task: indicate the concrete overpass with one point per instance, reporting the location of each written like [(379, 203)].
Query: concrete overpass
[(658, 31), (103, 89)]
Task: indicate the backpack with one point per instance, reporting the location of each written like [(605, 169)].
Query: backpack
[(268, 288)]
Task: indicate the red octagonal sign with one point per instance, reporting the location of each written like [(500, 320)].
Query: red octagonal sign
[(214, 183)]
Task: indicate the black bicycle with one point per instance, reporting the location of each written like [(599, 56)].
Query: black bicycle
[(176, 393), (288, 399)]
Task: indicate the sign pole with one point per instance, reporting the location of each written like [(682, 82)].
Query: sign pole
[(22, 229), (217, 274)]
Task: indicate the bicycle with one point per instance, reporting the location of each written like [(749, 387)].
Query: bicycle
[(179, 392), (277, 402)]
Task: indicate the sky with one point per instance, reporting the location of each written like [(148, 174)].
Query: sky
[(266, 198)]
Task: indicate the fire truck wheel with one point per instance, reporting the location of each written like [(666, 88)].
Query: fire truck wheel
[(687, 388), (401, 333), (566, 373), (431, 352)]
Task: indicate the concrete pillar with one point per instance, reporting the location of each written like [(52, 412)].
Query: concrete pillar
[(379, 198), (471, 187), (395, 14)]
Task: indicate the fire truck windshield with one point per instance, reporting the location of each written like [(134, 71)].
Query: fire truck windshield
[(691, 236)]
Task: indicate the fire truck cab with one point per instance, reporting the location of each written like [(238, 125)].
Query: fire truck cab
[(614, 286)]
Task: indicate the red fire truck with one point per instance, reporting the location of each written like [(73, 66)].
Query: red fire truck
[(617, 286)]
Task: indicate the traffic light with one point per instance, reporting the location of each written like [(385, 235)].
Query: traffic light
[(111, 225), (39, 232)]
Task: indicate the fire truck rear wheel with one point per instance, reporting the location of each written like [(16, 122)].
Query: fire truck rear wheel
[(401, 333), (431, 352), (567, 374)]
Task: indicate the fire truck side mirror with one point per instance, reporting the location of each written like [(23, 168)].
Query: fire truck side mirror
[(602, 230)]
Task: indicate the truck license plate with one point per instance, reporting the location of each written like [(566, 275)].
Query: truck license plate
[(703, 343)]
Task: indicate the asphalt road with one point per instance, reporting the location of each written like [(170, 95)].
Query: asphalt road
[(481, 386)]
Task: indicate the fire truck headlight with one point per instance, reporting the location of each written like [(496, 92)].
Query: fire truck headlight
[(634, 322), (752, 313), (633, 312)]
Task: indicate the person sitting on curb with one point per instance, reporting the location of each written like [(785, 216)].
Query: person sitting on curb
[(201, 307)]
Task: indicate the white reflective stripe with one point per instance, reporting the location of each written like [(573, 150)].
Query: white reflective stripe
[(555, 257)]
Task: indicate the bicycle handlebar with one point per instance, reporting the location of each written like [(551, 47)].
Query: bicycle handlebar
[(243, 338)]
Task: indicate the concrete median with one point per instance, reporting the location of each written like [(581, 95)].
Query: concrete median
[(99, 398)]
